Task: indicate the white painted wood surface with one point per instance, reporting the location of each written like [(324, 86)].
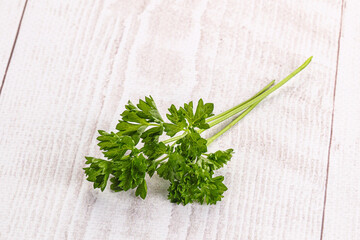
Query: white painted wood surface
[(76, 63)]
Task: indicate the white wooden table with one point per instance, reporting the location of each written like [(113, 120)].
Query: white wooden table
[(68, 67)]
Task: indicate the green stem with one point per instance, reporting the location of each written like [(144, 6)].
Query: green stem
[(262, 96), (222, 114), (174, 138), (241, 104), (160, 160), (181, 136), (248, 105), (242, 115)]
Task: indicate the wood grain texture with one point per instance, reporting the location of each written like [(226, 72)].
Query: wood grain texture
[(10, 14), (75, 65), (342, 215)]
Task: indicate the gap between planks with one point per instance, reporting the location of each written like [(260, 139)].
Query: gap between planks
[(332, 118), (13, 47)]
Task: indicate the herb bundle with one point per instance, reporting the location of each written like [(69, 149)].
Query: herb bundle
[(135, 149)]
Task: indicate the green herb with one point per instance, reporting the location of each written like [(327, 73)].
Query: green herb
[(135, 149)]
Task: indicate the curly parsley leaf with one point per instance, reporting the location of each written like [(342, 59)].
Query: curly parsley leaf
[(182, 163), (197, 185), (216, 160), (177, 119), (203, 111), (192, 145), (98, 172), (130, 172), (148, 110), (141, 190), (182, 159)]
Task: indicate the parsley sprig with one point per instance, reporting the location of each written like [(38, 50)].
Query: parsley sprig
[(135, 149)]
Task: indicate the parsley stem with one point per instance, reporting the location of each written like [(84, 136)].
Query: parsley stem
[(241, 104), (181, 136), (261, 96), (241, 116), (174, 138), (160, 160), (222, 114), (248, 105), (252, 104)]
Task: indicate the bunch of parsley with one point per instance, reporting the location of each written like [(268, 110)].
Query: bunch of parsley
[(135, 150)]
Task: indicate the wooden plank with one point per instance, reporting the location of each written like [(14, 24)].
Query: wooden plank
[(342, 212), (77, 62), (10, 14)]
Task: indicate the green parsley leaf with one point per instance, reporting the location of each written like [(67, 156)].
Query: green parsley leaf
[(203, 111), (98, 172), (216, 160), (192, 145), (182, 159), (131, 173), (177, 119), (141, 190), (149, 110)]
